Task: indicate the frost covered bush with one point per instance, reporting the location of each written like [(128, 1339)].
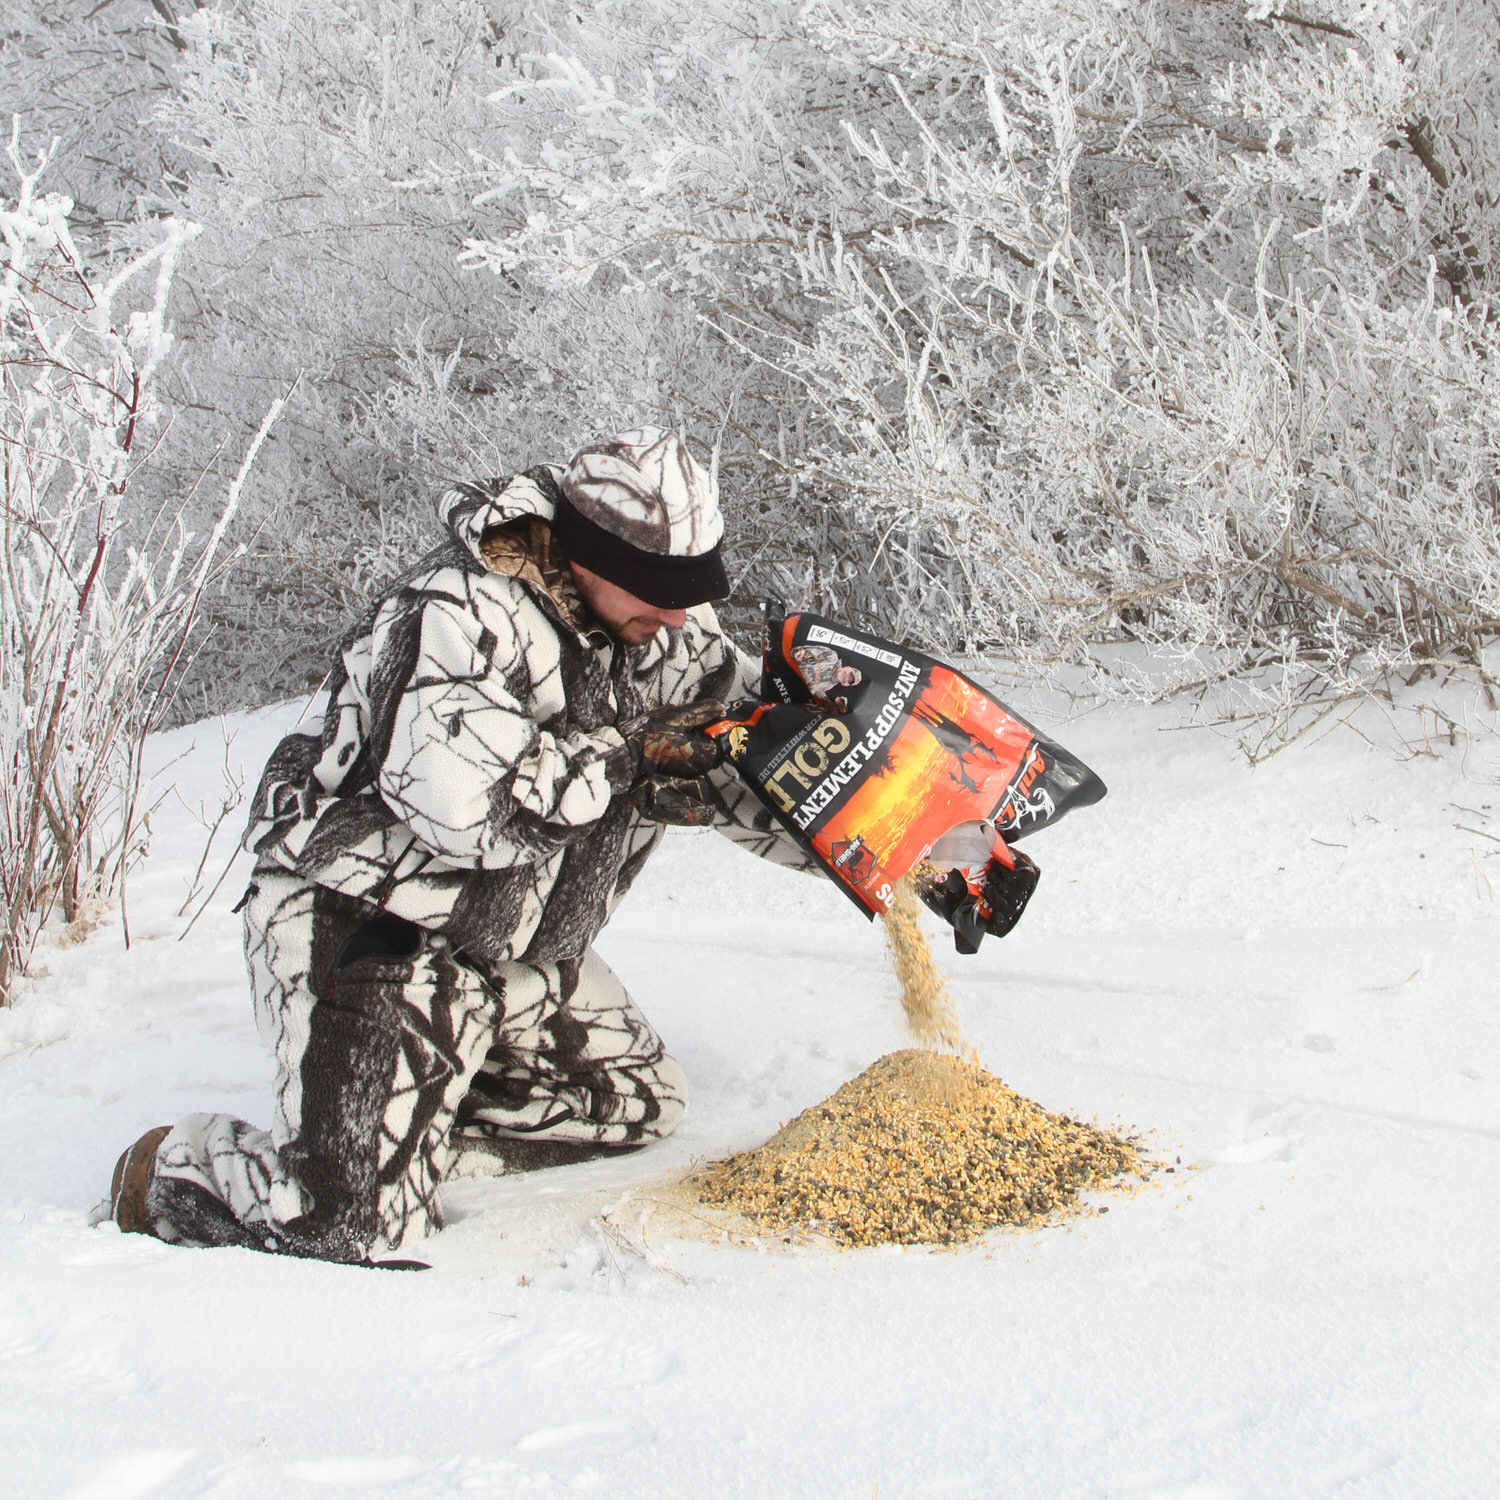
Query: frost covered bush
[(1039, 327), (88, 76), (1189, 338), (1165, 323), (394, 202), (96, 608), (336, 152)]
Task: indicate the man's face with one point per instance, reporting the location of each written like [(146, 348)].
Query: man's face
[(627, 618)]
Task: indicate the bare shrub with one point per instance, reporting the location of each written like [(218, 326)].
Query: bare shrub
[(96, 612)]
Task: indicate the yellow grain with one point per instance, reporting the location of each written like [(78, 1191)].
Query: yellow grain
[(931, 1016), (921, 1148)]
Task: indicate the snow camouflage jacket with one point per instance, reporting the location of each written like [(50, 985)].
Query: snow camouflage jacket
[(469, 776)]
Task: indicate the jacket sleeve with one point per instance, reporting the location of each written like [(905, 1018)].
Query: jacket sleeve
[(714, 667), (459, 757)]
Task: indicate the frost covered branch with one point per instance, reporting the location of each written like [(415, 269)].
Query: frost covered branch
[(97, 608)]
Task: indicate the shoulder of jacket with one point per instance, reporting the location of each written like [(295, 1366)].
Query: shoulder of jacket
[(448, 585), (703, 622)]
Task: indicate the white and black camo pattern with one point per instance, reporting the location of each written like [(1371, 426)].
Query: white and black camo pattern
[(646, 488), (469, 775), (381, 1049), (431, 871), (573, 1060)]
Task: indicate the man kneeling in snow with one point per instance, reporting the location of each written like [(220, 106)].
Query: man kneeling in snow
[(506, 731)]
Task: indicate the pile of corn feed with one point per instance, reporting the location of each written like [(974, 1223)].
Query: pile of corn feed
[(922, 1147)]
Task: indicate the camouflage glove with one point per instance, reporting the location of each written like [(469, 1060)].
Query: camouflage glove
[(670, 741), (688, 803)]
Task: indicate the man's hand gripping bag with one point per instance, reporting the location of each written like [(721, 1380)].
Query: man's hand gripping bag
[(880, 761)]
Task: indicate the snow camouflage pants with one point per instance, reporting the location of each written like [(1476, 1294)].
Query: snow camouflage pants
[(391, 1054)]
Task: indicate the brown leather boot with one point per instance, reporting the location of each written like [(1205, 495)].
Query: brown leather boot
[(127, 1188)]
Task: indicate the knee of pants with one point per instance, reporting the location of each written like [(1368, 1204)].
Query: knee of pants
[(671, 1098)]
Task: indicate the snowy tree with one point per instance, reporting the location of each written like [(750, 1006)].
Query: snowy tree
[(88, 75), (1043, 328), (1112, 352)]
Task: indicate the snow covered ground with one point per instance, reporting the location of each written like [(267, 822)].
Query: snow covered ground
[(1283, 975)]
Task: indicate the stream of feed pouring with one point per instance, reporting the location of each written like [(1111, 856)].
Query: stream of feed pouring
[(931, 1015)]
